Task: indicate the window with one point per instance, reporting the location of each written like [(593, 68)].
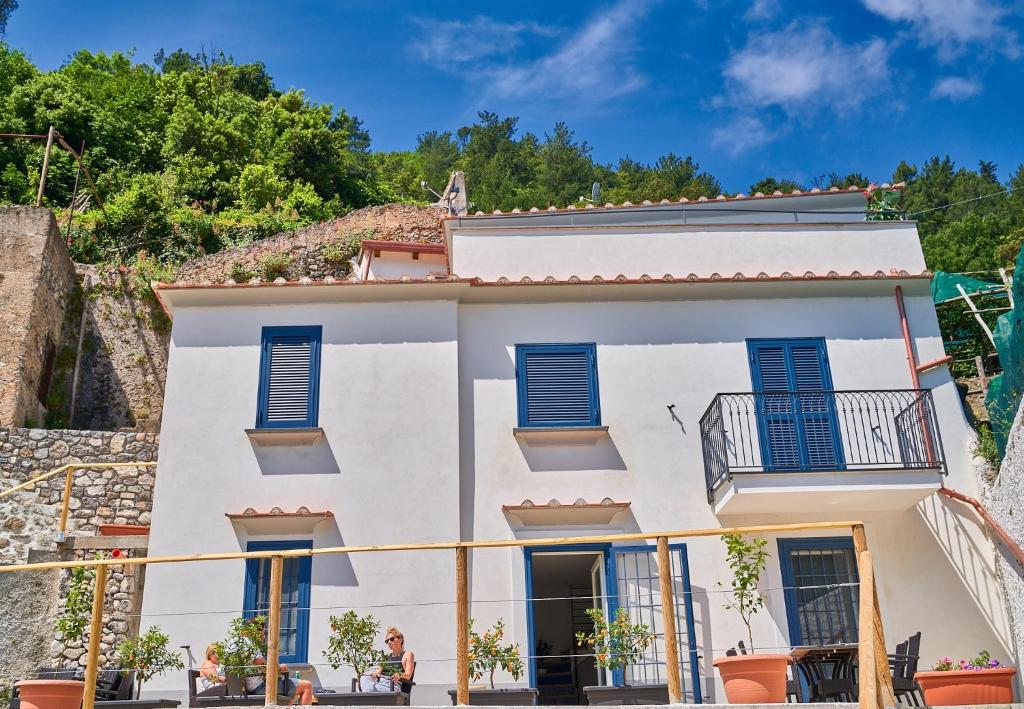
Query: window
[(557, 385), (795, 411), (289, 377), (294, 595), (821, 605)]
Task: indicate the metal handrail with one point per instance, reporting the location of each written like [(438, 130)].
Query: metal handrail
[(819, 430)]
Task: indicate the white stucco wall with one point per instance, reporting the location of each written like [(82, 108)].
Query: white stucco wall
[(387, 470), (395, 264), (654, 354), (491, 253)]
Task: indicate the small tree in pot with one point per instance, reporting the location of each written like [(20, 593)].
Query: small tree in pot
[(617, 645), (487, 654), (148, 655), (750, 679), (245, 641), (351, 643)]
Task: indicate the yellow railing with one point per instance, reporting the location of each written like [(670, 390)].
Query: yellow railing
[(69, 474), (875, 680)]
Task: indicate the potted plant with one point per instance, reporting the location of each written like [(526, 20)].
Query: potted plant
[(616, 645), (351, 643), (148, 656), (980, 680), (66, 692), (245, 641), (486, 655), (753, 678)]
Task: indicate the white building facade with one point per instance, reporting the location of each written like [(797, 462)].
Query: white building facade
[(577, 372)]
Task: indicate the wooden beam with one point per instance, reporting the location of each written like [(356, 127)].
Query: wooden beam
[(274, 629), (668, 621), (977, 315), (66, 501), (493, 544), (886, 693), (46, 166), (461, 626), (867, 684), (92, 657)]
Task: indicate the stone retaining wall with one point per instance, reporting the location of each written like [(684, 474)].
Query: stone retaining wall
[(29, 519)]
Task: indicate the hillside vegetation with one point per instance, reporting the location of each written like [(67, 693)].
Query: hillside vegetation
[(194, 153)]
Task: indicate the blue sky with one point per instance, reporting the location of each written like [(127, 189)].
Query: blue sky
[(748, 87)]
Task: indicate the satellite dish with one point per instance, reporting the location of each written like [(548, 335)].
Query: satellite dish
[(595, 193)]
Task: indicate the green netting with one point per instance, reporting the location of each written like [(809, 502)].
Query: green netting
[(944, 286), (1004, 391)]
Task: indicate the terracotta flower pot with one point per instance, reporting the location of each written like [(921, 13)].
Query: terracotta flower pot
[(965, 687), (118, 530), (754, 679), (51, 693)]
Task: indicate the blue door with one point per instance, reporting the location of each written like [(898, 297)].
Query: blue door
[(796, 411), (295, 594)]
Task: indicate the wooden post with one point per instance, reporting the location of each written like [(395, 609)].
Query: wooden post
[(274, 629), (65, 501), (46, 166), (867, 680), (1008, 282), (668, 619), (886, 694), (977, 315), (95, 633), (461, 627)]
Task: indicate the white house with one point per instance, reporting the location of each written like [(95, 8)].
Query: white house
[(566, 373)]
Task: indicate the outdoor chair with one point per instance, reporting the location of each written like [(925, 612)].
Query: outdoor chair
[(114, 690), (398, 697), (218, 695), (903, 664)]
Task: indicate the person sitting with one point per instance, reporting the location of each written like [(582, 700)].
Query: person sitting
[(211, 673), (397, 654)]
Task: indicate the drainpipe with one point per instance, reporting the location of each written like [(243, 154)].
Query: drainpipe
[(1004, 537), (914, 370)]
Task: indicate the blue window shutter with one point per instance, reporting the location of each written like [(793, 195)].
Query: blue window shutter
[(289, 377), (295, 595), (797, 431), (557, 385)]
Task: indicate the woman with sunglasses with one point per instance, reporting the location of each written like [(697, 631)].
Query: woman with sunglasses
[(397, 655)]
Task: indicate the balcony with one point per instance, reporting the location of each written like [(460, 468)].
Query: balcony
[(829, 451)]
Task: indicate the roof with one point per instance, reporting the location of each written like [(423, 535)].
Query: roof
[(814, 192), (413, 246)]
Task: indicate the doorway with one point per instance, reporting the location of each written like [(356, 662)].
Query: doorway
[(564, 582)]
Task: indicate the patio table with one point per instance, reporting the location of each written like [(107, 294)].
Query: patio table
[(828, 671)]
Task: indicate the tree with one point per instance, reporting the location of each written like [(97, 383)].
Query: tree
[(7, 7), (148, 655), (747, 560), (351, 642), (770, 185)]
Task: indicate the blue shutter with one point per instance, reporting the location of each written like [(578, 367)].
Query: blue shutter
[(295, 595), (797, 431), (557, 385), (289, 377)]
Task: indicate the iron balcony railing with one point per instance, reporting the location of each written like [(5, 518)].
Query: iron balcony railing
[(809, 431)]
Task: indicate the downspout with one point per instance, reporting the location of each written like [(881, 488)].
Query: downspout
[(914, 371)]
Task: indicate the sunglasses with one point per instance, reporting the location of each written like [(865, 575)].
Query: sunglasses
[(393, 637)]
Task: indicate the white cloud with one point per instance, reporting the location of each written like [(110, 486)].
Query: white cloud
[(762, 10), (741, 134), (952, 25), (591, 66), (955, 88), (447, 43), (805, 67)]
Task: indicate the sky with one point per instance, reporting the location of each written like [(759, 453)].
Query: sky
[(749, 88)]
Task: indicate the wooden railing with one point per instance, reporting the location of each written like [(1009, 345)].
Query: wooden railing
[(69, 474), (875, 679)]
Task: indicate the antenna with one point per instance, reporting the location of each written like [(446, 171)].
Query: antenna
[(428, 188)]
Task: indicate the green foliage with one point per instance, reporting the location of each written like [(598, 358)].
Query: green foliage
[(74, 616), (275, 266), (240, 273), (618, 643), (6, 8), (351, 642), (245, 641), (487, 653), (986, 446), (5, 697), (259, 187), (747, 560), (148, 655)]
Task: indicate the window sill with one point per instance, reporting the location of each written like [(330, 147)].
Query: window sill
[(560, 435), (284, 436)]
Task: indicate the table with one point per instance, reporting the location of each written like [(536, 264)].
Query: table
[(827, 671)]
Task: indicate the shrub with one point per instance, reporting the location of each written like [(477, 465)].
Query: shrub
[(275, 266), (74, 616), (747, 559), (259, 187), (616, 644), (487, 654), (244, 643), (240, 273), (148, 656), (351, 642)]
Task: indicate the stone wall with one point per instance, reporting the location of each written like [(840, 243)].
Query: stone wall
[(1004, 500), (36, 281), (99, 496)]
